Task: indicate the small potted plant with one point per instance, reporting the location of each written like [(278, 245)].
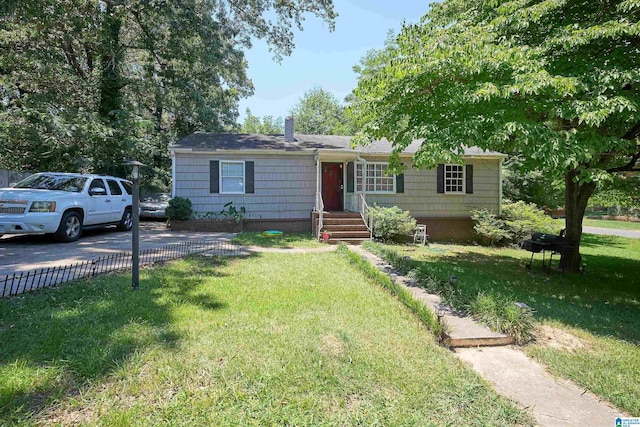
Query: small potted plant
[(326, 235)]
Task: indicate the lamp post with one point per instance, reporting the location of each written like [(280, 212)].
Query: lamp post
[(135, 232)]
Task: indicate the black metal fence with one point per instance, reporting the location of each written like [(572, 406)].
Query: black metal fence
[(26, 281)]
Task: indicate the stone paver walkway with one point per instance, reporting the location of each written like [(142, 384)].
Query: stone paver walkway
[(552, 401)]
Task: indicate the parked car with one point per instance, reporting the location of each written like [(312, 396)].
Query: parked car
[(65, 204), (154, 206)]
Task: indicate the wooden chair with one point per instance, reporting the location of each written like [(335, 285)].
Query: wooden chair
[(420, 235)]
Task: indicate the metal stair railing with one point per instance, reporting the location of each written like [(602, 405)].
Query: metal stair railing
[(320, 209), (366, 215)]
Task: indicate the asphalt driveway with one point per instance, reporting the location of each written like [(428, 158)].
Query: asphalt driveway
[(632, 234), (21, 252)]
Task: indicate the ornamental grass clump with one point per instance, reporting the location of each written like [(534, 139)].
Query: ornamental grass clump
[(498, 312)]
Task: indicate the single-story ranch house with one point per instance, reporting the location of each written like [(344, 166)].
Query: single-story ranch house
[(281, 180)]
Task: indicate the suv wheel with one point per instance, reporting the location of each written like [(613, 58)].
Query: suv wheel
[(70, 227), (126, 223)]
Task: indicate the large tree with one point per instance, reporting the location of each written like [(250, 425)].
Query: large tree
[(265, 125), (88, 84), (319, 112), (556, 82)]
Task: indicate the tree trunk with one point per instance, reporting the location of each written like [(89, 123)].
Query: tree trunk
[(111, 61), (576, 197), (108, 155)]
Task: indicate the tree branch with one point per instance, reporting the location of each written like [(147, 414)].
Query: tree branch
[(630, 166), (150, 39), (70, 54), (633, 133)]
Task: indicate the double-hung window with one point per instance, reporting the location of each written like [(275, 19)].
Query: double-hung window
[(454, 179), (375, 181), (232, 177)]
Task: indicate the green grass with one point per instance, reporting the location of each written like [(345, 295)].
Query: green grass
[(604, 223), (619, 225), (286, 241), (600, 308), (274, 339)]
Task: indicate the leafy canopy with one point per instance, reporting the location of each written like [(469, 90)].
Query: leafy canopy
[(88, 84), (266, 125), (556, 82), (319, 112)]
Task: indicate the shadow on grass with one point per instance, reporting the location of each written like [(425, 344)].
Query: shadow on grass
[(285, 241), (604, 301), (56, 341)]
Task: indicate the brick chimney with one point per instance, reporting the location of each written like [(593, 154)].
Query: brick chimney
[(288, 129)]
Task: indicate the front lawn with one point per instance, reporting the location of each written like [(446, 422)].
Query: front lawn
[(285, 241), (605, 223), (591, 330), (618, 225), (274, 339)]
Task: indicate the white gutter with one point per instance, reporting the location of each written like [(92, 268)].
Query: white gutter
[(364, 177), (173, 174), (316, 157), (500, 194)]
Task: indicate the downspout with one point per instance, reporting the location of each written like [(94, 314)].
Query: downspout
[(173, 173), (366, 217), (316, 158), (500, 186), (364, 176)]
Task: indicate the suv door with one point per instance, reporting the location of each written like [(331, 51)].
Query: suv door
[(118, 200), (99, 203)]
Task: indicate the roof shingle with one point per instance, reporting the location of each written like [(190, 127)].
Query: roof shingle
[(227, 141)]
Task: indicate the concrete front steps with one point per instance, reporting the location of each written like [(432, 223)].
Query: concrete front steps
[(345, 227)]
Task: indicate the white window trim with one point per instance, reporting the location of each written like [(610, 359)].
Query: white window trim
[(464, 180), (244, 177), (364, 179)]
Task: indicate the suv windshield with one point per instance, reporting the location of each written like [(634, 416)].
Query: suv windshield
[(72, 184)]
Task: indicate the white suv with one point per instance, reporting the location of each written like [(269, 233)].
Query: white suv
[(63, 204)]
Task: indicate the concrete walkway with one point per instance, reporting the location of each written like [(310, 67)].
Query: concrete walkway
[(552, 401), (462, 331), (633, 234)]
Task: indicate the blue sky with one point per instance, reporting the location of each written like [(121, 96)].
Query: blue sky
[(322, 58)]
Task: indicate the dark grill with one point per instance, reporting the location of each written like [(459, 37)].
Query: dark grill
[(555, 245), (14, 211), (13, 206)]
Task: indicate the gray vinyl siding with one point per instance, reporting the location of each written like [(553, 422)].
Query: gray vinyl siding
[(285, 186), (421, 198)]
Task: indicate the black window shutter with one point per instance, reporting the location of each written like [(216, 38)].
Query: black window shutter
[(440, 179), (214, 176), (248, 177), (400, 183), (469, 179), (350, 176)]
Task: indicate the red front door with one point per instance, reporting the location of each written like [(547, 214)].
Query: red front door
[(332, 186)]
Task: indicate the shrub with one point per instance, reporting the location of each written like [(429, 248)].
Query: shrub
[(232, 213), (179, 208), (519, 220), (392, 223)]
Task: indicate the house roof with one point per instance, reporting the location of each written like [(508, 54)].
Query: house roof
[(201, 141)]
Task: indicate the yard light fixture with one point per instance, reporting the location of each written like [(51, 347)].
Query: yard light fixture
[(135, 231), (441, 310), (524, 307), (453, 280)]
